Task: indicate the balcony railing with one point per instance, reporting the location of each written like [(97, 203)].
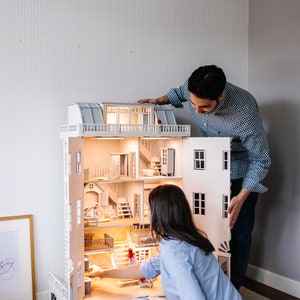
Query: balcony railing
[(117, 130)]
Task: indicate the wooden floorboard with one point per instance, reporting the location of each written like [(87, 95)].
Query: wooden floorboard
[(266, 291)]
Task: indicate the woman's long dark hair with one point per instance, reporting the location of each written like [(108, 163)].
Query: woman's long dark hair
[(171, 217)]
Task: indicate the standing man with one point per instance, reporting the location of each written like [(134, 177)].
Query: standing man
[(221, 109)]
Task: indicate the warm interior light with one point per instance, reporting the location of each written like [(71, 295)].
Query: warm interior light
[(109, 138), (154, 138)]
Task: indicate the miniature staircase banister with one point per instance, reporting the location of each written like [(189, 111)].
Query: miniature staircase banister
[(145, 150), (111, 190)]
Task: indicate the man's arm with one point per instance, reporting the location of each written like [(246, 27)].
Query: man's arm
[(235, 206), (174, 97), (254, 140), (160, 101)]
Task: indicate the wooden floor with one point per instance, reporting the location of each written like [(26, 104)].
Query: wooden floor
[(266, 291)]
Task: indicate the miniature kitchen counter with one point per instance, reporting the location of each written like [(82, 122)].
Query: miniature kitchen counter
[(108, 288)]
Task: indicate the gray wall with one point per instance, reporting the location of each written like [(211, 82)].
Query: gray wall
[(53, 53), (274, 78)]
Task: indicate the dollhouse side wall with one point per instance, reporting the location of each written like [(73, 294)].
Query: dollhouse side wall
[(212, 182)]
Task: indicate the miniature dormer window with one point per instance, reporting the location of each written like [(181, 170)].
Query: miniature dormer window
[(199, 204), (164, 115), (199, 159)]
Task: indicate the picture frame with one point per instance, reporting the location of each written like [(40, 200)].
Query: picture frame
[(17, 271)]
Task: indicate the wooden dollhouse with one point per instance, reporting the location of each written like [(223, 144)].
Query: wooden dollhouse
[(114, 154)]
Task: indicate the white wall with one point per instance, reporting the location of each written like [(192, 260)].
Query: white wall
[(274, 77), (53, 53)]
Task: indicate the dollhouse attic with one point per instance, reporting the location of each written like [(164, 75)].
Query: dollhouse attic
[(122, 119)]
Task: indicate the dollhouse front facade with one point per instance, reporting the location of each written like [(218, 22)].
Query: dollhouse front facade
[(114, 154)]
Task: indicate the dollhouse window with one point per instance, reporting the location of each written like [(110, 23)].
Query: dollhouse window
[(199, 203), (124, 115), (78, 162), (224, 262), (119, 114), (111, 115), (225, 206), (225, 160), (199, 159), (135, 115), (145, 116)]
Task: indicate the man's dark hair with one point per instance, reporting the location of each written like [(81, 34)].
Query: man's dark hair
[(207, 82)]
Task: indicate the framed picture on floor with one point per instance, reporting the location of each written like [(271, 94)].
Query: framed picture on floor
[(17, 274)]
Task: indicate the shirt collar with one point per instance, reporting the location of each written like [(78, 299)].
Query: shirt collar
[(221, 103)]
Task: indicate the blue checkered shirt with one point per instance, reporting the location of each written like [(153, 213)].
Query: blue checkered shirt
[(235, 116)]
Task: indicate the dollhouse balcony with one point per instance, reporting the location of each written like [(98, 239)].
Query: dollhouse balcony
[(98, 245), (119, 130), (117, 120)]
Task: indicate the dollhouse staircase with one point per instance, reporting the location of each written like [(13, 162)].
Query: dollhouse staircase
[(123, 208), (120, 254), (110, 189), (145, 150)]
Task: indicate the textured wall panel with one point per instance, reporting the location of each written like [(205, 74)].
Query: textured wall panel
[(54, 53)]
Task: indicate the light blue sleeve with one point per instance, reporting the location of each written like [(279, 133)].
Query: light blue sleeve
[(180, 271), (150, 267)]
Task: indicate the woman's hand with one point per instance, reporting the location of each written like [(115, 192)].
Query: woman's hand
[(94, 271)]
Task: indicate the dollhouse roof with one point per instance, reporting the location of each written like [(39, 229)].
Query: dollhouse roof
[(108, 119)]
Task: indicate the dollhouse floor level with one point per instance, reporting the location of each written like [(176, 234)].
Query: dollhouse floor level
[(109, 289), (119, 130)]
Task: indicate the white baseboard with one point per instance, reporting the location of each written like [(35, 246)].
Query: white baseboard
[(283, 284)]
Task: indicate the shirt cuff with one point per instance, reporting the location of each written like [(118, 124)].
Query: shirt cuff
[(148, 269), (253, 186)]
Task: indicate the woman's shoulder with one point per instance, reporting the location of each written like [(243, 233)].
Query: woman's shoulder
[(174, 243), (178, 247)]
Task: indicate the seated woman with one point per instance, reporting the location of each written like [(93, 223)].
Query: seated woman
[(189, 270)]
